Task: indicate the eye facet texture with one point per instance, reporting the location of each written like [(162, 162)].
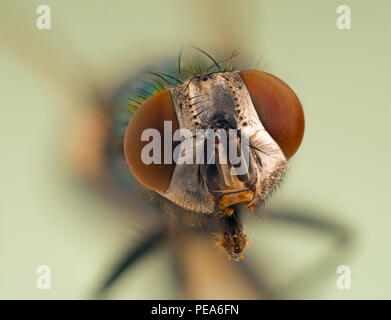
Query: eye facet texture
[(278, 108), (151, 115)]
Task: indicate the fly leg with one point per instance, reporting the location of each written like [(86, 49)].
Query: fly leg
[(130, 258), (339, 250)]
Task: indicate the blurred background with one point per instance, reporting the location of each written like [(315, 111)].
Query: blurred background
[(339, 174)]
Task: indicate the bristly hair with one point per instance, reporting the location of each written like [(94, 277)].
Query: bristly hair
[(134, 92), (171, 75)]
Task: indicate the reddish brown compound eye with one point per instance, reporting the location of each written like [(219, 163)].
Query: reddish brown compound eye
[(278, 108), (151, 115)]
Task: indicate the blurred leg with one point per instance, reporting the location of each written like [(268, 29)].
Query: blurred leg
[(130, 258)]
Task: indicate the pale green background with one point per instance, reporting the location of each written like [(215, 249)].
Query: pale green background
[(341, 170)]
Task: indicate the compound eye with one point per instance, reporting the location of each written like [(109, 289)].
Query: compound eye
[(155, 176), (278, 108)]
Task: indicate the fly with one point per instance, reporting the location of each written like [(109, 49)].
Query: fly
[(224, 102)]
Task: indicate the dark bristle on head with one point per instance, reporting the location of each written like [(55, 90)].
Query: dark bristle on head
[(197, 65)]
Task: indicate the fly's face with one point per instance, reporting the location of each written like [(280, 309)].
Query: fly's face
[(220, 105), (218, 139)]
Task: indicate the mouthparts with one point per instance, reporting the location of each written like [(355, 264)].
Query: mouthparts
[(231, 183)]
